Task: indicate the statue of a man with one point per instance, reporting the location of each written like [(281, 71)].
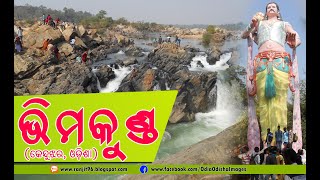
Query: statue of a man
[(272, 67)]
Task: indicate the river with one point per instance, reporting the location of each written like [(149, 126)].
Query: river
[(182, 135)]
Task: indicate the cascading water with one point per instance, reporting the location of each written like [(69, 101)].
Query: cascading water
[(228, 108), (114, 84), (219, 65)]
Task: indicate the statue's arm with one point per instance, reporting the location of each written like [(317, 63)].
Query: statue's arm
[(251, 28), (290, 30)]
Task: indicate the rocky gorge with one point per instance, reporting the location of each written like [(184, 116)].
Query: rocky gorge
[(165, 67)]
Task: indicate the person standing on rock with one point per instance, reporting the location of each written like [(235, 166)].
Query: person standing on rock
[(48, 19), (177, 40), (272, 67), (20, 34), (45, 44), (160, 39), (269, 137), (285, 137), (18, 45), (43, 19), (278, 135), (84, 56), (55, 51)]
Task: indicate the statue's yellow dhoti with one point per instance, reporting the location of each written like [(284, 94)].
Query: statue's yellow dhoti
[(272, 82)]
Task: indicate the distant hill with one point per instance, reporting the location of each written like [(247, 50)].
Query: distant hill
[(31, 13), (230, 27), (28, 12)]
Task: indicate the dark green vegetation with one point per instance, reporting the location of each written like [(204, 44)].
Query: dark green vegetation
[(206, 38), (32, 14)]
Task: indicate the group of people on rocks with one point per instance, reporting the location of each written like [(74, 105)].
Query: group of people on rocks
[(122, 42), (282, 138), (48, 45), (160, 40), (49, 21)]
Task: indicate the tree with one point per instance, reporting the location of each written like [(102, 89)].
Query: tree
[(206, 38), (123, 21), (101, 14), (211, 29)]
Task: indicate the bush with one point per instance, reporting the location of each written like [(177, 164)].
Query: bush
[(96, 22), (30, 21), (206, 38), (122, 21), (211, 29)]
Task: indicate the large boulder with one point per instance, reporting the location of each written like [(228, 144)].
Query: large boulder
[(197, 92), (25, 67), (129, 61), (92, 33), (79, 42), (35, 38), (98, 39), (105, 74), (35, 52), (214, 55), (64, 78), (81, 31), (195, 95), (65, 48), (86, 39), (134, 51), (68, 34)]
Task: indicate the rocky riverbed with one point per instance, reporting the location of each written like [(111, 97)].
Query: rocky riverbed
[(193, 72)]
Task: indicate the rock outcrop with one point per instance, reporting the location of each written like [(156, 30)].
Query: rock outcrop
[(34, 38), (167, 69), (41, 76)]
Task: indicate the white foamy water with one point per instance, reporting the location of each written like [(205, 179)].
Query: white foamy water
[(167, 87), (228, 107), (120, 52), (114, 84), (182, 135), (219, 65), (146, 53), (94, 70), (156, 87)]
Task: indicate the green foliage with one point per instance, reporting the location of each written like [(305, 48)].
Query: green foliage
[(97, 22), (122, 21), (101, 14), (211, 29), (234, 27), (30, 21), (34, 12), (206, 38), (141, 26), (100, 20)]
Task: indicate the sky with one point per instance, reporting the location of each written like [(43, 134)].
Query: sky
[(171, 11), (214, 12)]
